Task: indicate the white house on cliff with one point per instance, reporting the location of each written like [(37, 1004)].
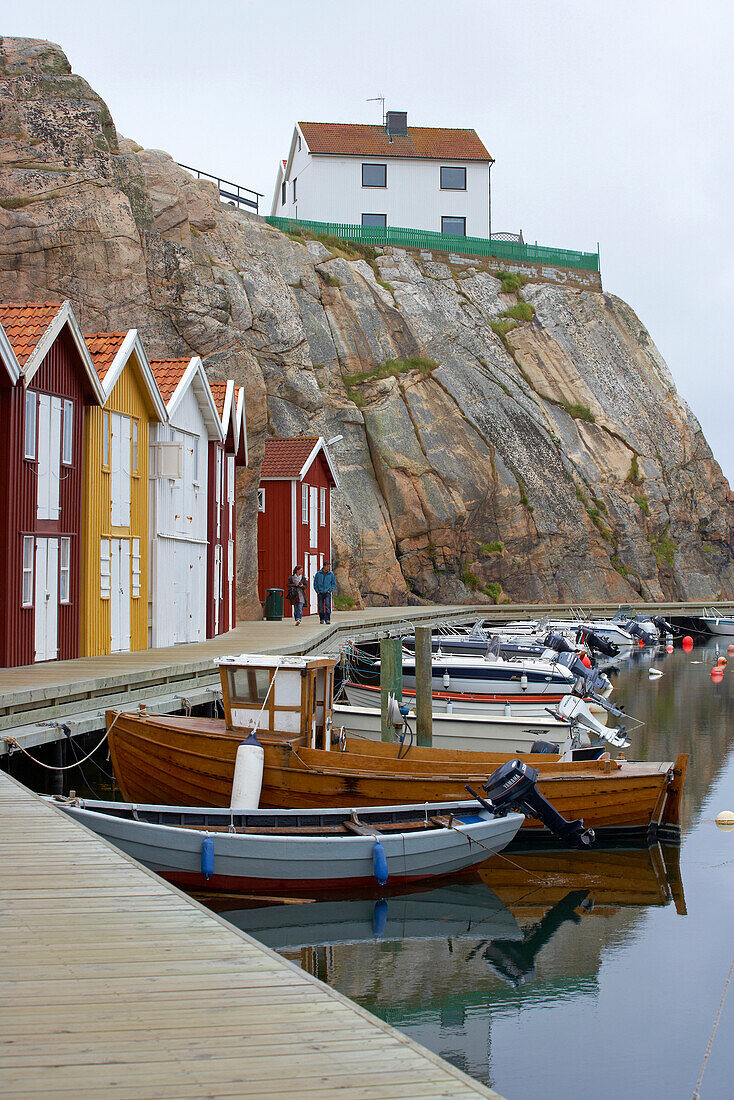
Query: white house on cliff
[(417, 177)]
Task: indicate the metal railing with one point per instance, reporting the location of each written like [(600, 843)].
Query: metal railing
[(229, 191), (442, 242)]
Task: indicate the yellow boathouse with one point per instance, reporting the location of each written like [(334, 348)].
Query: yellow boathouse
[(115, 545)]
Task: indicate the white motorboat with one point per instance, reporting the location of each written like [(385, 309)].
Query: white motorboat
[(494, 674), (716, 623)]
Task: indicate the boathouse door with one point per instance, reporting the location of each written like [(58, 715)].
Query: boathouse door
[(47, 599), (313, 603), (120, 596)]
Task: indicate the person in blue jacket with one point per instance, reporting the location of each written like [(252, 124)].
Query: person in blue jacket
[(325, 583)]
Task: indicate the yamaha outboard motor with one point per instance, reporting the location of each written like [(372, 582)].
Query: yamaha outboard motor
[(598, 643), (637, 631), (662, 624), (556, 641), (514, 787)]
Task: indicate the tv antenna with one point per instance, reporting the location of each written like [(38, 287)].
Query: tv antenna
[(379, 99)]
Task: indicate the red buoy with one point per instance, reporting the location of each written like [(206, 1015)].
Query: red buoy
[(641, 643), (688, 642), (721, 661), (585, 661), (668, 649), (730, 650), (717, 674)]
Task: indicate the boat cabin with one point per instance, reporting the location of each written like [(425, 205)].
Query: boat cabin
[(278, 696)]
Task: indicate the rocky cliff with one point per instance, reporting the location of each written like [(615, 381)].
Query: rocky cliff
[(502, 438)]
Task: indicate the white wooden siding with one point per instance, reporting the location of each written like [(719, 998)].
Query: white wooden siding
[(329, 189), (179, 530)]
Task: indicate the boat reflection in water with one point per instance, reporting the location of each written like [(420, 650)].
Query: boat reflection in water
[(439, 963)]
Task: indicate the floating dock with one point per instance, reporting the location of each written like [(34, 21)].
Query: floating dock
[(115, 982)]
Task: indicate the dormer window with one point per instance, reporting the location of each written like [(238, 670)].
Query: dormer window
[(374, 175)]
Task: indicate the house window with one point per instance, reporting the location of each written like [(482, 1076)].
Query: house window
[(105, 569), (454, 227), (30, 425), (136, 568), (322, 508), (282, 193), (374, 175), (195, 459), (261, 500), (68, 433), (374, 219), (135, 445), (28, 548), (294, 191), (304, 503), (453, 179), (105, 439), (64, 570)]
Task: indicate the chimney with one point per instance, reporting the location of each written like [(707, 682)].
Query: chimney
[(396, 123)]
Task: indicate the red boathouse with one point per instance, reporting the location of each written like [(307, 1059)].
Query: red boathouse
[(294, 512), (224, 458), (47, 380)]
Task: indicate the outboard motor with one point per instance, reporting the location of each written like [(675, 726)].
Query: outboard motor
[(557, 642), (637, 631), (662, 624), (514, 787), (599, 644)]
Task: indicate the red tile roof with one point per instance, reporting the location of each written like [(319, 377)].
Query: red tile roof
[(168, 373), (103, 347), (219, 391), (285, 457), (431, 142), (25, 324)]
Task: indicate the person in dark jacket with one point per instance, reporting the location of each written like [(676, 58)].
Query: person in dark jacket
[(325, 583), (296, 591)]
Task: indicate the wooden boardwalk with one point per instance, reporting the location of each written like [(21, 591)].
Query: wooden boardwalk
[(115, 983)]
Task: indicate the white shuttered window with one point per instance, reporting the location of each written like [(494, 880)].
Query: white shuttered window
[(136, 567), (105, 569), (322, 508), (304, 503), (28, 547), (30, 425), (65, 570), (67, 447)]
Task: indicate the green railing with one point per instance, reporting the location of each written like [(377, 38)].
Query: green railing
[(443, 242)]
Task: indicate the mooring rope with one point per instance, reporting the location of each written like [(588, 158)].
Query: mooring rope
[(696, 1093), (66, 767)]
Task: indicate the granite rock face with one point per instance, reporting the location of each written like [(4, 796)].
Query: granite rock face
[(545, 456)]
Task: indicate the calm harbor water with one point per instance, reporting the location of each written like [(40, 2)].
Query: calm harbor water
[(564, 975), (554, 975)]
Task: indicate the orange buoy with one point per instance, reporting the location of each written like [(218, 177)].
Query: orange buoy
[(585, 660), (722, 661), (641, 643)]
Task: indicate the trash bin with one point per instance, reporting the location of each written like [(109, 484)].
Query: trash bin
[(274, 604)]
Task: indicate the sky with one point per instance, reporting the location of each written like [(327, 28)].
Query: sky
[(609, 121)]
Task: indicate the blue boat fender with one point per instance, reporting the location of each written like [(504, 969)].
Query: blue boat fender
[(207, 857), (379, 863), (379, 918)]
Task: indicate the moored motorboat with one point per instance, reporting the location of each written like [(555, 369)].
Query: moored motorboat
[(716, 623), (309, 763)]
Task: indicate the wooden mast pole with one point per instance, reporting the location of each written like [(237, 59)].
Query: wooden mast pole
[(423, 678)]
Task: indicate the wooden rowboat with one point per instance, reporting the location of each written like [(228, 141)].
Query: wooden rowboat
[(174, 760), (295, 850)]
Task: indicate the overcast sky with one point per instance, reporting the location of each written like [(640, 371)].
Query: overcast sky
[(609, 121)]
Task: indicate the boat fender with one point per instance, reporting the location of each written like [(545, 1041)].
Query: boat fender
[(248, 775), (544, 746), (207, 857), (446, 681), (379, 863), (379, 918)]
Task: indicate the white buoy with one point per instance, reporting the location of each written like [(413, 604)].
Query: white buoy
[(446, 681), (725, 821), (654, 673), (524, 681), (508, 710), (449, 706), (248, 775)]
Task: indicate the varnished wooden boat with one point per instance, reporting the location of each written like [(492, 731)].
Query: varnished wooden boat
[(177, 761)]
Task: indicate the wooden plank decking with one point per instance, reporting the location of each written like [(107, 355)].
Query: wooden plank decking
[(115, 983)]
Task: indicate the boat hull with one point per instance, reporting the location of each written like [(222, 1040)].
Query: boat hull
[(530, 705), (480, 733), (178, 761), (265, 863)]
